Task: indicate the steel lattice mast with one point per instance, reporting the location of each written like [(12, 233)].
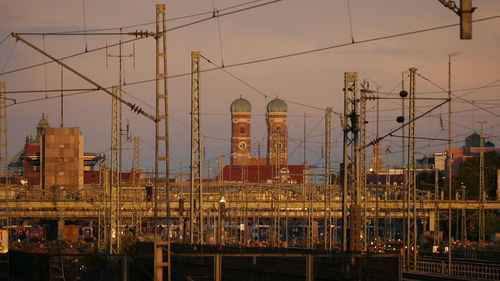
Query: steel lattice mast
[(351, 165), (114, 187), (162, 156), (412, 177), (196, 215)]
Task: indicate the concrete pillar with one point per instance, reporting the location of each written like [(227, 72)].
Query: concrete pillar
[(60, 229), (217, 267), (309, 268)]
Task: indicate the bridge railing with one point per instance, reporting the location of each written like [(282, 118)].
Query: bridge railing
[(475, 271)]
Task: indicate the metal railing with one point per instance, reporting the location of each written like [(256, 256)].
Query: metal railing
[(475, 271)]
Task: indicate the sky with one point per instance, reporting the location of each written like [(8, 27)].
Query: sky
[(308, 82)]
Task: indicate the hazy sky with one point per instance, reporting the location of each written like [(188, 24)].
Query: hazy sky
[(281, 28)]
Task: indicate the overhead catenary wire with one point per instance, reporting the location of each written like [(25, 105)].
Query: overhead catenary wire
[(405, 124), (131, 40), (216, 14), (458, 97), (274, 57), (154, 22), (254, 88)]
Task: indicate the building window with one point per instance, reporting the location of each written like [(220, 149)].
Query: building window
[(278, 130), (242, 129)]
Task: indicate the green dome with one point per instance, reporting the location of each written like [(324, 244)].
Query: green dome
[(241, 105), (277, 105), (43, 123)]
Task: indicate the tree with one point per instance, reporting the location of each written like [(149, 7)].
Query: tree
[(468, 174)]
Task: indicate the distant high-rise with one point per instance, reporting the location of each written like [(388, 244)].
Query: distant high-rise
[(62, 159), (474, 141)]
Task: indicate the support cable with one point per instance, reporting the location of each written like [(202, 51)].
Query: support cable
[(350, 20), (135, 108), (84, 26), (216, 15)]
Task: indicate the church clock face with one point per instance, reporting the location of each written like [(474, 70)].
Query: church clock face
[(242, 146)]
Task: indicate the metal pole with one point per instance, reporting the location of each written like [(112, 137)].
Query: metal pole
[(481, 188), (412, 189), (450, 159), (403, 159), (161, 135), (4, 159), (196, 191)]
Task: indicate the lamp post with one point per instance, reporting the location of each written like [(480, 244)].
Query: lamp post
[(450, 158)]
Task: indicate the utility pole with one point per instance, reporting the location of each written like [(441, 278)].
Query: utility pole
[(412, 176), (403, 94), (351, 165), (449, 159), (196, 191), (465, 13), (305, 136), (481, 187), (161, 247), (328, 179), (4, 158), (115, 224)]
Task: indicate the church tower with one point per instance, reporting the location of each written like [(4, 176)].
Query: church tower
[(241, 149), (277, 133)]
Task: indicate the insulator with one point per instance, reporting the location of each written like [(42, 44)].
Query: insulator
[(403, 94)]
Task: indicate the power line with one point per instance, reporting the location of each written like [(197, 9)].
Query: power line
[(257, 90), (235, 77), (135, 39), (154, 22), (458, 97)]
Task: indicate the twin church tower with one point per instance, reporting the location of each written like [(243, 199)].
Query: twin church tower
[(277, 134)]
